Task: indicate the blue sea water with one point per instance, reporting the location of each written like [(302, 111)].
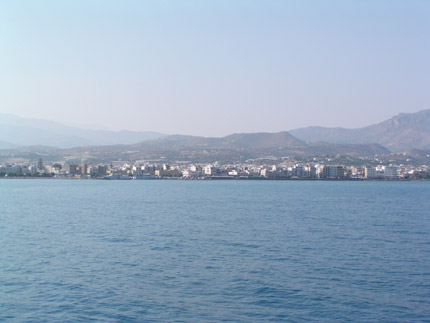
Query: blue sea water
[(209, 251)]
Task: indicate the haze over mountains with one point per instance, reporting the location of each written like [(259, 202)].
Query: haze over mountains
[(233, 148), (234, 141), (16, 131), (401, 132)]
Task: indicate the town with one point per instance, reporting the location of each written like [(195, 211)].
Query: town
[(290, 169)]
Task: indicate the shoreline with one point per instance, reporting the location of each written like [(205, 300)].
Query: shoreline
[(224, 179)]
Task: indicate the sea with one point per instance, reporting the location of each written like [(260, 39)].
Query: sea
[(214, 251)]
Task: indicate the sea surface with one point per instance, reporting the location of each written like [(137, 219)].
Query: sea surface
[(211, 251)]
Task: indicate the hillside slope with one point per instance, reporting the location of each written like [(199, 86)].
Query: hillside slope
[(401, 132), (17, 131)]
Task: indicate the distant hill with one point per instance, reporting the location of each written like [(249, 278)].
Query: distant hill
[(6, 145), (17, 131), (235, 141), (401, 132), (358, 150), (418, 153), (261, 140), (233, 148)]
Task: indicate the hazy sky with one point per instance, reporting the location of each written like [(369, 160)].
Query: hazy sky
[(214, 67)]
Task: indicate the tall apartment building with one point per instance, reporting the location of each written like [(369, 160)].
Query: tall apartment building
[(71, 169), (332, 171)]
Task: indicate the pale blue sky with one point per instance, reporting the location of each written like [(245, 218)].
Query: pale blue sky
[(214, 67)]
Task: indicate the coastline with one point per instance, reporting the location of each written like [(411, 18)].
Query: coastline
[(214, 178)]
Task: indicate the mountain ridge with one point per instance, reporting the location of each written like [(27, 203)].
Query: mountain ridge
[(233, 148), (401, 132), (233, 141), (16, 131)]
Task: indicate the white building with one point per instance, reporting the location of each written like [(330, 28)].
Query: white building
[(233, 173), (390, 171), (208, 170)]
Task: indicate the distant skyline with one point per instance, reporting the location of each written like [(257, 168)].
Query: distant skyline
[(213, 68)]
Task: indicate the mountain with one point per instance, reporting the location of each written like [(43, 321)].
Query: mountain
[(261, 140), (6, 145), (17, 131), (418, 153), (234, 141), (401, 132), (232, 148)]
